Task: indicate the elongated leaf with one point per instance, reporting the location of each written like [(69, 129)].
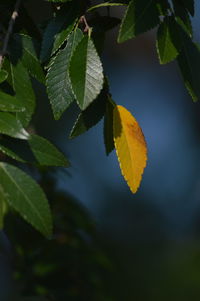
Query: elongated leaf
[(24, 91), (58, 30), (140, 16), (167, 50), (163, 6), (105, 4), (23, 194), (86, 73), (182, 17), (11, 126), (58, 82), (130, 146), (108, 127), (10, 103), (189, 64), (26, 49), (62, 36), (91, 116), (8, 152), (189, 4), (3, 75), (45, 152)]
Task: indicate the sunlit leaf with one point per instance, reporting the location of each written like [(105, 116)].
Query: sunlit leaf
[(130, 146)]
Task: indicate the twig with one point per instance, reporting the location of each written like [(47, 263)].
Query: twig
[(84, 21), (9, 31)]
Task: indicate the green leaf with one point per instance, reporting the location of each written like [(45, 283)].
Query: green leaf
[(183, 18), (11, 126), (8, 152), (105, 4), (167, 50), (163, 7), (62, 36), (108, 126), (23, 194), (189, 5), (26, 49), (3, 75), (140, 16), (86, 73), (24, 91), (91, 116), (10, 103), (45, 152), (58, 83), (189, 64), (58, 30)]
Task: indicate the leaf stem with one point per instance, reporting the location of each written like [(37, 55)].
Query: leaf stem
[(87, 27), (9, 31)]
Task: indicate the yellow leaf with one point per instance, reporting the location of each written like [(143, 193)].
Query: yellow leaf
[(130, 146)]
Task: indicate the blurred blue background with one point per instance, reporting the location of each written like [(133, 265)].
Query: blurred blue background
[(154, 235)]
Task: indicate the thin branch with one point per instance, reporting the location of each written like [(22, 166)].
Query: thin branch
[(84, 21), (9, 31)]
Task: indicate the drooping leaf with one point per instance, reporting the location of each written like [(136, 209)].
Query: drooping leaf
[(140, 16), (183, 18), (3, 75), (105, 4), (10, 103), (24, 91), (58, 30), (91, 116), (11, 126), (189, 64), (45, 152), (167, 50), (130, 146), (26, 49), (8, 152), (86, 73), (163, 7), (108, 127), (58, 82), (62, 36), (24, 195), (189, 4)]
